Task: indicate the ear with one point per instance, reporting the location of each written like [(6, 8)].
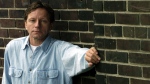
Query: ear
[(25, 23)]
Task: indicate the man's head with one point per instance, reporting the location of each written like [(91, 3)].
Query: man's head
[(39, 4), (38, 20)]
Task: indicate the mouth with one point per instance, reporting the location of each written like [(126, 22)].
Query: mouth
[(36, 31)]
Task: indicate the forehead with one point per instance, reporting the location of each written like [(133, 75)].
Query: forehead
[(39, 12)]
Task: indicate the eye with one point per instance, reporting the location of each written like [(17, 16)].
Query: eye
[(44, 21), (32, 20)]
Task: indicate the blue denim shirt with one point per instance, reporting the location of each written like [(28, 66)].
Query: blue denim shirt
[(53, 62)]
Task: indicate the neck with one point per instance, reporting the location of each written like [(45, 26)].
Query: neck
[(35, 42)]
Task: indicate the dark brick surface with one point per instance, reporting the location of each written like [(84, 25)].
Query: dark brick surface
[(70, 36), (132, 19), (6, 4), (16, 33), (1, 42), (87, 37), (57, 4), (99, 30), (117, 80), (145, 19), (86, 15), (22, 3), (146, 72), (114, 31), (128, 44), (139, 6), (69, 15), (3, 33), (7, 22), (89, 4), (129, 32), (117, 56), (138, 81), (145, 45), (114, 6), (77, 4), (91, 26), (107, 68), (103, 18), (97, 5), (57, 15), (136, 58), (78, 26), (105, 43), (3, 13), (101, 79), (1, 63), (148, 30), (60, 25), (1, 72), (127, 70), (2, 53), (55, 34), (141, 32), (20, 24), (16, 13)]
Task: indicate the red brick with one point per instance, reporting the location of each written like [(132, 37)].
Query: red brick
[(3, 33), (16, 13), (6, 3), (13, 33), (133, 71), (69, 15), (87, 37), (139, 81), (7, 22), (132, 19), (70, 36), (21, 3), (20, 24), (139, 6)]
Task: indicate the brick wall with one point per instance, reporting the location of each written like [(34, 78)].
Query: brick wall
[(120, 30)]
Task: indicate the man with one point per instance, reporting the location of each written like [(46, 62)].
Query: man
[(40, 59)]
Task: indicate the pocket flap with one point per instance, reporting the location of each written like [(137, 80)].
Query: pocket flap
[(15, 72), (47, 74)]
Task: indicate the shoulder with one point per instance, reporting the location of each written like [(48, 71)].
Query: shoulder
[(17, 41)]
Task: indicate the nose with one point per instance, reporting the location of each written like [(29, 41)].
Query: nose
[(37, 23)]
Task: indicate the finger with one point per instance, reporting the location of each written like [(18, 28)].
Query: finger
[(91, 58), (90, 64), (91, 53), (94, 50)]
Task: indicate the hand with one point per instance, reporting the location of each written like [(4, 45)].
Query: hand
[(92, 57)]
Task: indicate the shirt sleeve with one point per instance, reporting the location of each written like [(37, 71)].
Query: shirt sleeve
[(74, 59), (6, 78)]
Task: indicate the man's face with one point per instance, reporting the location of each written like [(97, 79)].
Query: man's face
[(38, 24)]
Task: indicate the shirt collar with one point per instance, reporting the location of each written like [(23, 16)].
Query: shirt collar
[(26, 43), (47, 42)]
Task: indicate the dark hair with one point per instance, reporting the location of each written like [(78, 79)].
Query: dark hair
[(39, 4)]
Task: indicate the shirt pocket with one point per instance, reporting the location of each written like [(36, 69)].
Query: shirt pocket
[(47, 77), (16, 75)]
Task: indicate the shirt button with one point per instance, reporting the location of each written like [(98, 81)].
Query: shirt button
[(28, 82), (30, 69)]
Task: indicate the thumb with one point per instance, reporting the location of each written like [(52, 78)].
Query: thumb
[(90, 64)]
